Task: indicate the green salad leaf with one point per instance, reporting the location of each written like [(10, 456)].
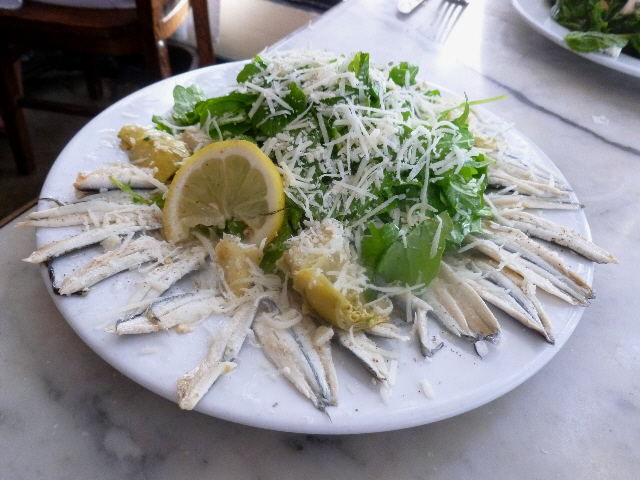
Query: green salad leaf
[(374, 246), (418, 261), (402, 72), (251, 69), (584, 42), (137, 198), (598, 26), (293, 216)]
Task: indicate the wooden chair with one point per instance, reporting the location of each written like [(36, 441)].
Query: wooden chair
[(113, 32)]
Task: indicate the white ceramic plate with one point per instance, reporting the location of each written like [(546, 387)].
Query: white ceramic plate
[(536, 13), (253, 393)]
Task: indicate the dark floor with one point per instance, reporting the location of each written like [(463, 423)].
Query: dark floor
[(57, 76)]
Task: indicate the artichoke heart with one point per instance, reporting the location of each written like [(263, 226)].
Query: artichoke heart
[(148, 147), (236, 260), (326, 274), (332, 305)]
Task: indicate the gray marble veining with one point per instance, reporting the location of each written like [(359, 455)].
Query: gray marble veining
[(66, 414)]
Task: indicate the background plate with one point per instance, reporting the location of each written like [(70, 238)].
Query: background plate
[(254, 394), (536, 13)]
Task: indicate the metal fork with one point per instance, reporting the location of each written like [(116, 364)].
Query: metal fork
[(446, 18)]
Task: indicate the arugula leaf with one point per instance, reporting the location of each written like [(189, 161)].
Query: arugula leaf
[(464, 223), (158, 200), (296, 99), (236, 227), (127, 189), (271, 126), (462, 196), (601, 21), (251, 69), (595, 42), (374, 95), (234, 104), (185, 101), (162, 124), (231, 130), (292, 218), (399, 74), (373, 247), (463, 138), (414, 263), (360, 66)]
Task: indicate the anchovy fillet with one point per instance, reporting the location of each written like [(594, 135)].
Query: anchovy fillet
[(241, 328), (480, 320), (93, 213), (84, 239), (280, 350), (527, 201), (545, 229), (386, 330), (302, 332), (126, 174), (186, 313), (527, 172), (429, 344), (366, 351), (540, 259), (503, 176), (181, 311), (307, 366), (445, 309), (323, 350), (195, 384), (135, 325), (115, 196), (534, 251), (498, 289), (284, 352), (135, 253), (533, 268), (162, 277)]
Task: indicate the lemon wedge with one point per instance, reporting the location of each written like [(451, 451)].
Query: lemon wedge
[(230, 180)]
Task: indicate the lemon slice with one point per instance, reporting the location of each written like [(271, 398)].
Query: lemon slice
[(226, 180)]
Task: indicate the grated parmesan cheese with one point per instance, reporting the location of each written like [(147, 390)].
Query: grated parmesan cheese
[(427, 389)]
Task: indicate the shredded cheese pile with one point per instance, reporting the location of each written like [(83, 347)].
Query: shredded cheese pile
[(373, 148)]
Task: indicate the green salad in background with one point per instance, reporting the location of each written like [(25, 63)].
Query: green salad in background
[(606, 26)]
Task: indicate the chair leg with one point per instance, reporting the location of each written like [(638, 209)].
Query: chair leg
[(13, 114), (155, 50), (204, 41), (160, 59)]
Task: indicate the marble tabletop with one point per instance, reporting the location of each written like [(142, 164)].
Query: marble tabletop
[(66, 414)]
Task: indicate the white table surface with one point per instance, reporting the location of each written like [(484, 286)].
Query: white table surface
[(65, 413)]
